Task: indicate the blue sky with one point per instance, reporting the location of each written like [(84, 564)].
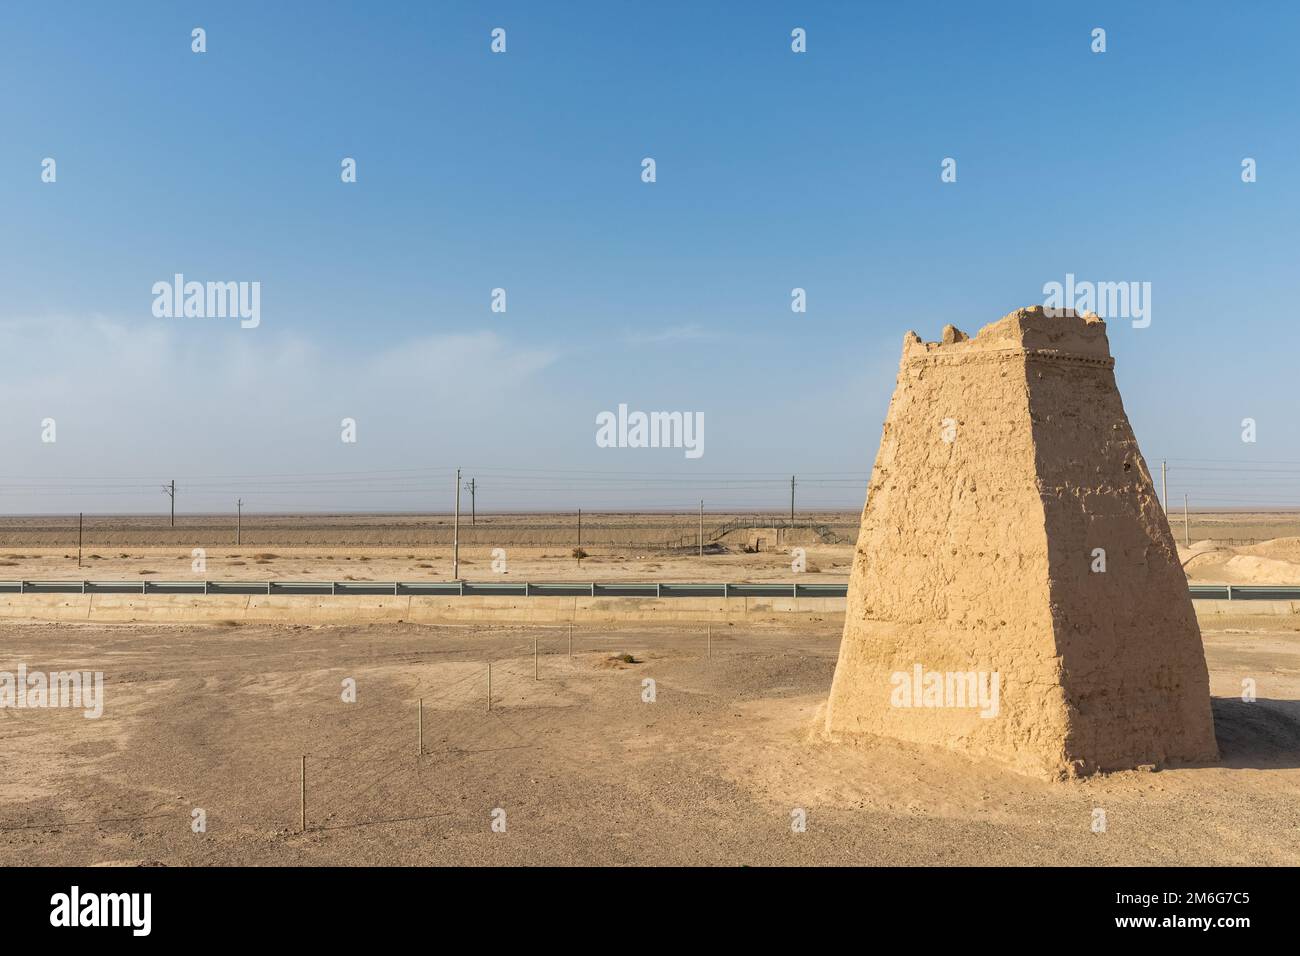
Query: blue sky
[(475, 171)]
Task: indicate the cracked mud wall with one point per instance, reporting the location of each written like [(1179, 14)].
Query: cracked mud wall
[(1130, 646), (1001, 466)]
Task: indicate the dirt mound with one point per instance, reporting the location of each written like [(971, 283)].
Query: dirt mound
[(1247, 569), (1229, 566), (1281, 549)]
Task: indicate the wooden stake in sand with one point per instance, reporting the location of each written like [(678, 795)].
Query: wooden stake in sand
[(489, 686), (303, 804), (419, 725), (536, 674), (708, 639)]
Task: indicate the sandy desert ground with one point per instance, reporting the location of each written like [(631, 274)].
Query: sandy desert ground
[(218, 717), (710, 772)]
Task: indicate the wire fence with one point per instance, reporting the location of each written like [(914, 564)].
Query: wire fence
[(394, 751), (415, 507), (260, 532), (433, 490)]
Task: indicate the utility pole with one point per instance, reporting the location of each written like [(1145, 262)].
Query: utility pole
[(80, 515), (473, 516), (701, 527), (1164, 487), (1187, 525), (455, 535), (170, 491), (239, 515), (792, 501)]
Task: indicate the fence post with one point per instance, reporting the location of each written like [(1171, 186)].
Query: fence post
[(419, 725)]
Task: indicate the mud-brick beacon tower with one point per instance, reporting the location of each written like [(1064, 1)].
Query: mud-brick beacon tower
[(1012, 529)]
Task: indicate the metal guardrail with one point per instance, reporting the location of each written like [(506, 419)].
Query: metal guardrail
[(1213, 592), (443, 588), (1245, 592)]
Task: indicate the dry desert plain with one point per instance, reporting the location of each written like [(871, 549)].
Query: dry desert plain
[(1225, 547), (217, 717)]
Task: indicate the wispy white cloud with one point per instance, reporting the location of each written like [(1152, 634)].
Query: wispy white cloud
[(676, 333), (196, 397)]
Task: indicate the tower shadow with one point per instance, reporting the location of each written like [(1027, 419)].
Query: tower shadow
[(1263, 734)]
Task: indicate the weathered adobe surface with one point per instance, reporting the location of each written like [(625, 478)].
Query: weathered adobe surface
[(977, 554)]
